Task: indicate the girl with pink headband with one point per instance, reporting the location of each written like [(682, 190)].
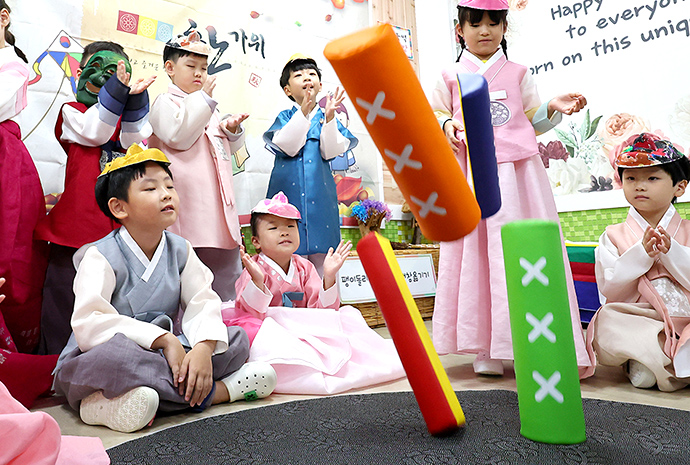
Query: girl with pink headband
[(471, 310)]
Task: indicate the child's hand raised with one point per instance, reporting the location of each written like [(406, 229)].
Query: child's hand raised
[(308, 101), (209, 85), (253, 268), (333, 101), (450, 128), (141, 85), (334, 261), (664, 243), (656, 241), (232, 122), (567, 103), (122, 73)]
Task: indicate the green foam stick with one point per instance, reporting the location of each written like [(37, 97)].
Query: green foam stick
[(546, 373)]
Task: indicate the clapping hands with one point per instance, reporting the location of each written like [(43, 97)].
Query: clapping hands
[(656, 241), (334, 261)]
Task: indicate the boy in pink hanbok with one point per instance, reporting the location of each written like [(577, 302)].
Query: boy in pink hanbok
[(189, 129), (643, 271), (314, 345)]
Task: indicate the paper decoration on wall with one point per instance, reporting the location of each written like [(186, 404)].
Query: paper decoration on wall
[(66, 52), (132, 23)]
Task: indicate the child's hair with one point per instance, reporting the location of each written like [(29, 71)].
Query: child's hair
[(116, 184), (100, 46), (9, 37), (173, 54), (297, 65), (473, 16), (254, 222), (679, 170)]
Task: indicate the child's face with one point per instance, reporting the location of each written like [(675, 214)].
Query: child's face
[(152, 201), (650, 190), (4, 21), (482, 38), (189, 72), (278, 238), (300, 81), (100, 67)]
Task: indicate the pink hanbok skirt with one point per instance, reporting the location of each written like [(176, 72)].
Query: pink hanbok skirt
[(471, 310), (320, 350)]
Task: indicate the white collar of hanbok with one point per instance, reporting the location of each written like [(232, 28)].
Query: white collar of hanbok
[(136, 250), (664, 222), (483, 67), (286, 276), (312, 113)]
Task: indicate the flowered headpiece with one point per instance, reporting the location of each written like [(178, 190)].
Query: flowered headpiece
[(191, 42), (485, 4), (647, 150), (278, 206), (134, 156)]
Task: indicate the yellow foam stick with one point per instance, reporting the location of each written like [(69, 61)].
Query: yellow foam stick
[(432, 389), (399, 118)]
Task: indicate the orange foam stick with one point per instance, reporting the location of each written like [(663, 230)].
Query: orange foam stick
[(430, 384), (377, 75)]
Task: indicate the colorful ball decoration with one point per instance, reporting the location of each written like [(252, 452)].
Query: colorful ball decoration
[(340, 4)]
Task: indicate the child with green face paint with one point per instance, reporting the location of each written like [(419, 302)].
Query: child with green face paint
[(109, 114)]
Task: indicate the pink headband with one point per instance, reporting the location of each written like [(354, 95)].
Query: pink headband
[(278, 206), (485, 4)]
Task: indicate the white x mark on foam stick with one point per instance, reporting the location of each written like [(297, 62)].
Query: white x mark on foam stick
[(548, 387), (376, 109), (541, 328), (428, 206), (403, 159), (534, 271)]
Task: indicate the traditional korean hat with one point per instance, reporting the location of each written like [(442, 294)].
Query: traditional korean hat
[(647, 150), (190, 41), (135, 155), (278, 206), (485, 4)]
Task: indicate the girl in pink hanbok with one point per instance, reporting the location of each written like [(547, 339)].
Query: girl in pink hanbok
[(471, 310), (314, 345)]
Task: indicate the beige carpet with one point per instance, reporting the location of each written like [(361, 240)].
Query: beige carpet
[(607, 384)]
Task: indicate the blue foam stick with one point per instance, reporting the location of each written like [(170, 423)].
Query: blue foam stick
[(479, 134)]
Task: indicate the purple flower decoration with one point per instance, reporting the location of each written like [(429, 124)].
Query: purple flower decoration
[(368, 208), (554, 149)]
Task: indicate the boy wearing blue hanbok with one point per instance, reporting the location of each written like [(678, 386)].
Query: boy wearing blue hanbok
[(303, 140), (148, 334)]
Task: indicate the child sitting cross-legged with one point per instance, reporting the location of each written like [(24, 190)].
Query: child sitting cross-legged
[(148, 333), (643, 271), (315, 346)]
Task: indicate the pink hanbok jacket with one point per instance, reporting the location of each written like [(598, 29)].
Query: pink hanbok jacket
[(33, 438), (300, 278), (186, 127), (628, 234)]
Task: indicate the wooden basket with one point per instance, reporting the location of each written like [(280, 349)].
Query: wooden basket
[(371, 311)]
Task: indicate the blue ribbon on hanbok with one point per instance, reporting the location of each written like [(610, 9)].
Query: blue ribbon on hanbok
[(289, 297)]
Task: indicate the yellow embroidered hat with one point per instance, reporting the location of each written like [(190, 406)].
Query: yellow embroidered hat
[(135, 155)]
